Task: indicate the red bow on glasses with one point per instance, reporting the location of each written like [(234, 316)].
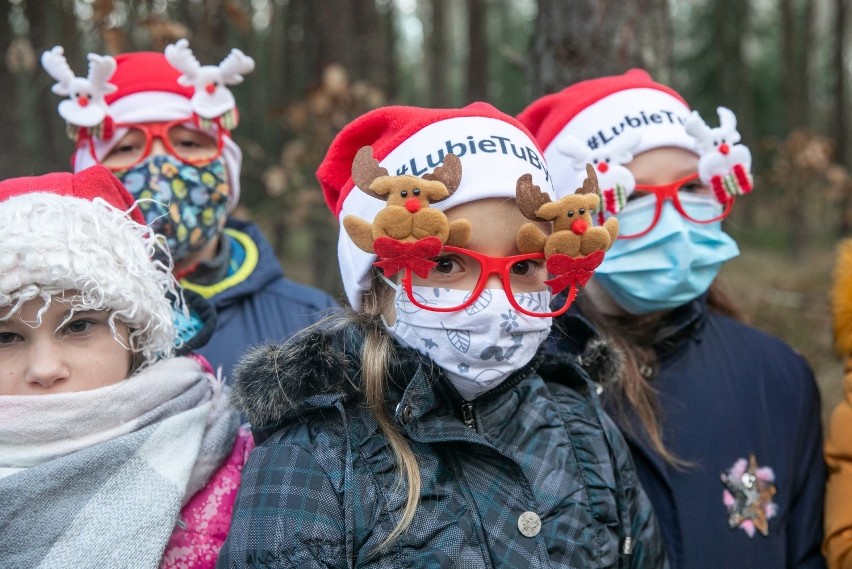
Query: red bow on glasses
[(397, 255), (572, 270)]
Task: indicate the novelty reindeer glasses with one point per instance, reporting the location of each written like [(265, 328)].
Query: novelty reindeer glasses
[(407, 234), (87, 112)]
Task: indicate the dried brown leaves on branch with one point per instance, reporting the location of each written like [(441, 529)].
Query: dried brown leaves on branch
[(807, 185), (310, 125)]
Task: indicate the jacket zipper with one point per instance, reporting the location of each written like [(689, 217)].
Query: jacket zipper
[(467, 415)]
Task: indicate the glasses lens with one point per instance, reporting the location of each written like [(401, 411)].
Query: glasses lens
[(449, 283), (129, 150), (638, 216), (699, 203), (528, 283), (194, 146), (456, 276)]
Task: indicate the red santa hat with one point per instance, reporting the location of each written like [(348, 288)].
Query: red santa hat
[(80, 232), (149, 91), (599, 111), (494, 150), (95, 183)]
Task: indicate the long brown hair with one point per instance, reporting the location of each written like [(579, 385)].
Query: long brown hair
[(632, 339)]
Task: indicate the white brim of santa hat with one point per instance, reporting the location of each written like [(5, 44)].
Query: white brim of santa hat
[(493, 154), (157, 106), (656, 115)]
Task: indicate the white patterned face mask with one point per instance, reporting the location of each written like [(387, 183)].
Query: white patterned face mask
[(479, 346)]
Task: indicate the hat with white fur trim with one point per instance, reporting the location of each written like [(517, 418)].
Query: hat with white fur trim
[(95, 247), (494, 150), (595, 121)]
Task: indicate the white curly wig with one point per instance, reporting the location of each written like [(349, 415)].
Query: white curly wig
[(93, 255)]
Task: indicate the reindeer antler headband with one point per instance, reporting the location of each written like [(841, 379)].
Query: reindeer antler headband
[(211, 98), (86, 106), (723, 164)]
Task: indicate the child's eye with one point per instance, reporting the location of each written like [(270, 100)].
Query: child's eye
[(525, 268), (187, 142), (124, 148), (694, 187), (446, 265), (79, 326), (9, 338)]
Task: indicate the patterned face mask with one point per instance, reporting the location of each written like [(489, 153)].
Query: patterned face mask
[(478, 347), (183, 203)]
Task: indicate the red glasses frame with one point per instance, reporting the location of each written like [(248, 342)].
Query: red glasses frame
[(670, 192), (160, 130), (490, 266)]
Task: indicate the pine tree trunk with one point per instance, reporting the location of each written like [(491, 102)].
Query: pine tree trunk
[(580, 39), (333, 29), (373, 49), (477, 59), (795, 27), (10, 141), (436, 55)]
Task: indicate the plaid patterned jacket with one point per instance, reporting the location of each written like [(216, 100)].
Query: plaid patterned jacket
[(533, 474)]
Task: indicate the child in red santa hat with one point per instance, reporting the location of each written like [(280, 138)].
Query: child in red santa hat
[(427, 428), (162, 123), (723, 420), (114, 452)]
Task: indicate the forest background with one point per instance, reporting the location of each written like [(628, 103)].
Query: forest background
[(782, 65)]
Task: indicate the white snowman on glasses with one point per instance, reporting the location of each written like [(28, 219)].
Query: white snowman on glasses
[(211, 98), (86, 106), (616, 181), (723, 164)]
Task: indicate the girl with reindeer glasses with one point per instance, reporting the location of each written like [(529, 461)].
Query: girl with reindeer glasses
[(425, 428), (723, 420)]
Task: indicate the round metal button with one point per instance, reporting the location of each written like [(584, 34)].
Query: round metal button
[(529, 524), (406, 414)]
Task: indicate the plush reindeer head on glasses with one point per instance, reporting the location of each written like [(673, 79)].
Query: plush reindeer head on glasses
[(574, 233), (407, 216)]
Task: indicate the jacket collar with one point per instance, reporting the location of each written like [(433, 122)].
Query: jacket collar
[(318, 368), (578, 336), (574, 332)]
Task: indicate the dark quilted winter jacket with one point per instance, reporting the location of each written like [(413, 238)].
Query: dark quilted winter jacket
[(322, 490)]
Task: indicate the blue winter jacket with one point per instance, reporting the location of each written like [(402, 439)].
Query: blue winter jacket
[(531, 474), (255, 303), (727, 391)]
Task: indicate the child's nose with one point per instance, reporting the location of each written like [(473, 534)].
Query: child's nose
[(493, 281), (158, 148), (47, 367)]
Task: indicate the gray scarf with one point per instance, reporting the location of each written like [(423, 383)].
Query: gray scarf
[(97, 478)]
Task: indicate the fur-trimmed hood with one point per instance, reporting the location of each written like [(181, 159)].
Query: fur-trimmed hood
[(275, 381)]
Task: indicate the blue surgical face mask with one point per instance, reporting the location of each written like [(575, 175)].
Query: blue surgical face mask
[(183, 203), (671, 265)]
